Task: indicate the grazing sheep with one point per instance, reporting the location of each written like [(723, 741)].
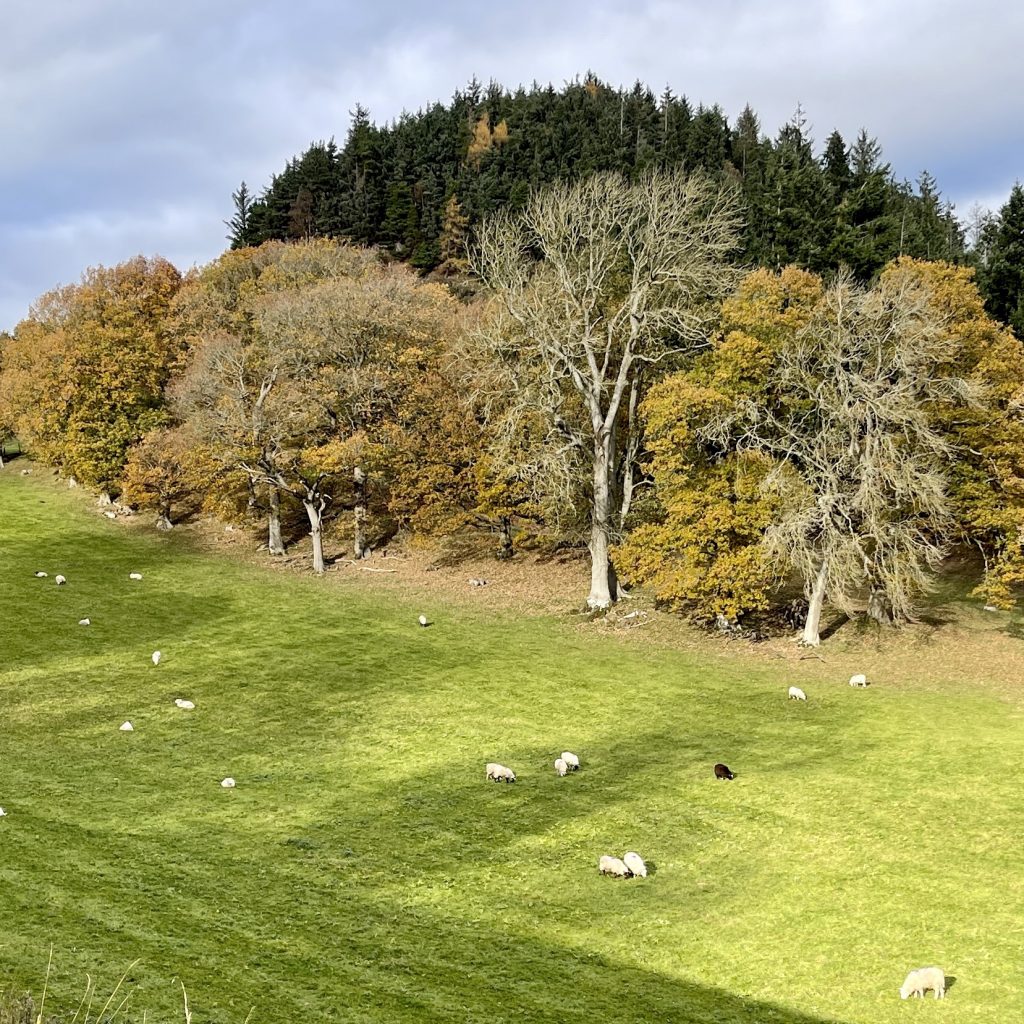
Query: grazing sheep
[(59, 580), (84, 622), (612, 866), (185, 705), (635, 863), (722, 772), (156, 657), (571, 760), (423, 621), (499, 773), (795, 693), (560, 766), (41, 575), (127, 727), (859, 680), (135, 575), (3, 813), (924, 978), (228, 783)]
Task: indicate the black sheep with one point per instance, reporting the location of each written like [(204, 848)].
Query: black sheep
[(722, 772)]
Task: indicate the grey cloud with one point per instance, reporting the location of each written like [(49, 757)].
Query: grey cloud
[(126, 125)]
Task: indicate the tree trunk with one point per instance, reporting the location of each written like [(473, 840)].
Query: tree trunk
[(359, 538), (817, 600), (315, 513), (879, 607), (505, 550), (275, 545), (602, 590)]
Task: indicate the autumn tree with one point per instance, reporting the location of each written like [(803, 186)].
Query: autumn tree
[(699, 543), (598, 281), (859, 463), (311, 360), (165, 469), (85, 372), (986, 475)]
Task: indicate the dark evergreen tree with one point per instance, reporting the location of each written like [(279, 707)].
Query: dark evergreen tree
[(1003, 279)]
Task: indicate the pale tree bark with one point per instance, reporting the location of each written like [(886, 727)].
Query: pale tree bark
[(602, 592), (315, 511), (275, 543), (359, 549), (815, 603)]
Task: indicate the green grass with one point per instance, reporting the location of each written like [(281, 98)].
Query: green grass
[(364, 870)]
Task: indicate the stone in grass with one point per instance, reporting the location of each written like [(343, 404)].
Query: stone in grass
[(127, 727)]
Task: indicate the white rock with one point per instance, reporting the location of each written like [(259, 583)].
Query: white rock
[(859, 680), (59, 580), (135, 575), (110, 515), (571, 760), (41, 575), (795, 693), (127, 727), (423, 621), (84, 622), (185, 705), (228, 783), (156, 657), (988, 607)]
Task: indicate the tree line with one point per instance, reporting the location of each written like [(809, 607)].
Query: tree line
[(727, 437)]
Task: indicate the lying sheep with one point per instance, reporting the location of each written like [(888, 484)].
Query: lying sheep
[(185, 705), (795, 693), (613, 866), (859, 680), (560, 766), (499, 773), (635, 863), (924, 978), (135, 575), (571, 760), (41, 575)]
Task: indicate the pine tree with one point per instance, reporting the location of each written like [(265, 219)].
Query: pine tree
[(239, 223), (1003, 279)]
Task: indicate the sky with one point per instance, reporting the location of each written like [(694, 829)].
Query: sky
[(125, 125)]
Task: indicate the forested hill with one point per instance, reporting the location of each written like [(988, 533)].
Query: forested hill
[(417, 186)]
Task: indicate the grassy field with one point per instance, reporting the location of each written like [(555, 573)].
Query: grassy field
[(364, 870)]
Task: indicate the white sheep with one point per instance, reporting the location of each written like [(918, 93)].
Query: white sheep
[(185, 705), (84, 622), (3, 813), (924, 978), (499, 773), (228, 783), (859, 680), (613, 866), (795, 693), (423, 621), (59, 580), (571, 760), (560, 766), (156, 657), (127, 727), (135, 575), (41, 575), (635, 863), (110, 515)]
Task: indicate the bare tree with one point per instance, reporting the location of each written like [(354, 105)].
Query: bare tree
[(598, 281), (860, 465)]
